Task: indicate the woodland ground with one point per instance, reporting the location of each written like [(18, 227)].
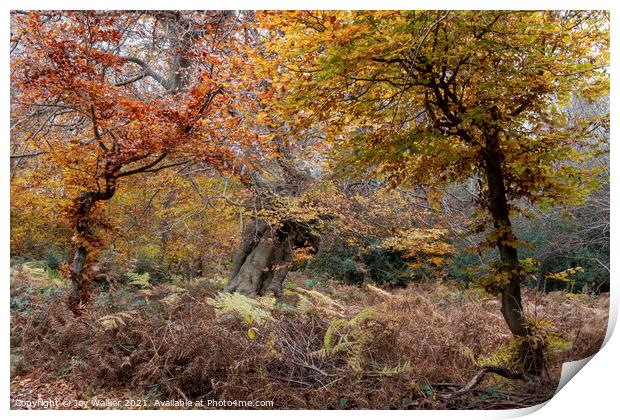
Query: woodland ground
[(327, 347)]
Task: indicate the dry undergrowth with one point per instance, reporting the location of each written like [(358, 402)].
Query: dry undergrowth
[(340, 347)]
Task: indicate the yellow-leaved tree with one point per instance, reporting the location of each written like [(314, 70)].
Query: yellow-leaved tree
[(431, 97)]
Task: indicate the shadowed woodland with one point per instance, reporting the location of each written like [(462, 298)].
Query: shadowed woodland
[(320, 209)]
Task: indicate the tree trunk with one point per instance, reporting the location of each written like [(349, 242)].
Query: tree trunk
[(256, 265), (531, 356), (262, 261), (281, 258), (249, 238), (79, 291)]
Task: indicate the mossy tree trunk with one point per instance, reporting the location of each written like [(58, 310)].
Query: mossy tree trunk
[(79, 291)]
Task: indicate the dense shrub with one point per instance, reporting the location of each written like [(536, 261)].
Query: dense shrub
[(339, 262)]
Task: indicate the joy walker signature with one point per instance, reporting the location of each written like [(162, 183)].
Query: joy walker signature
[(136, 403)]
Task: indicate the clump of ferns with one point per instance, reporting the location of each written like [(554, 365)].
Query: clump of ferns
[(240, 306), (362, 342), (542, 336)]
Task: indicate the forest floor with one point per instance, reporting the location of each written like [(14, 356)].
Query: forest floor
[(163, 345)]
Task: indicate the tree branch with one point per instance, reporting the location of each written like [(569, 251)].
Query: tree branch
[(148, 71), (480, 376), (30, 154), (142, 168), (132, 80)]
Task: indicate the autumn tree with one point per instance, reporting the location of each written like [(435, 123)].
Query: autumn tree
[(433, 97), (300, 204), (115, 94), (282, 218)]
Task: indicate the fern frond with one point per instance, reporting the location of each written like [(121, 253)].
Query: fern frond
[(241, 306), (142, 281), (113, 321), (396, 370)]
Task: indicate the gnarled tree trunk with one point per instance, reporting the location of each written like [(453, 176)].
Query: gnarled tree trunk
[(263, 259), (80, 281)]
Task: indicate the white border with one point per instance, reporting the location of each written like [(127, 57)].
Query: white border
[(592, 395)]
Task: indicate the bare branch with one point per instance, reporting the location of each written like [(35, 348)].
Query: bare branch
[(148, 71), (131, 80), (27, 155), (480, 376)]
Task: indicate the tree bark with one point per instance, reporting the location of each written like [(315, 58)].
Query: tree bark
[(251, 234), (79, 291), (531, 356), (281, 259), (263, 259), (257, 264)]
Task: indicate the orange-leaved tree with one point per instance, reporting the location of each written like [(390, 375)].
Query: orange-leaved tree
[(124, 93)]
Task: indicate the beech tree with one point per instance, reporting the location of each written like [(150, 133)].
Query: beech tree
[(431, 97), (126, 93), (283, 222)]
